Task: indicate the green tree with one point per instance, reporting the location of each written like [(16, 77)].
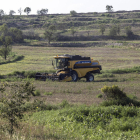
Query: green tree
[(13, 101), (102, 28), (6, 48), (27, 10), (118, 29), (4, 30), (1, 14), (113, 31), (72, 31), (109, 8), (16, 34), (42, 12), (49, 33), (129, 32), (11, 12), (73, 13)]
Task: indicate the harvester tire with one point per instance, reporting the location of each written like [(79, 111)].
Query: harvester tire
[(89, 77), (74, 76), (62, 76)]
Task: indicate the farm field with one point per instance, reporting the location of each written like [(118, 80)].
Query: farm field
[(75, 110), (40, 59)]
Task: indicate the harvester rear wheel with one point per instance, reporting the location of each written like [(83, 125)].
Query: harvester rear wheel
[(89, 77), (74, 76)]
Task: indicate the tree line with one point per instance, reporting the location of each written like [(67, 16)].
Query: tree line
[(14, 35), (27, 10), (115, 30)]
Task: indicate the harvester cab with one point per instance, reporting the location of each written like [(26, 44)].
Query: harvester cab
[(72, 68)]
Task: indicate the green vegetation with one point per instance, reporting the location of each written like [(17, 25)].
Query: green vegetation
[(12, 102), (102, 28), (27, 10), (66, 121), (72, 31), (109, 8), (6, 47), (93, 122), (37, 93), (56, 109), (49, 33), (73, 13)]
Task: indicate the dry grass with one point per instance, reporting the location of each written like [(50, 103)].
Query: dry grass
[(39, 58), (86, 93)]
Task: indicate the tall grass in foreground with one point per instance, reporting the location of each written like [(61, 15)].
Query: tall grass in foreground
[(65, 121), (114, 122)]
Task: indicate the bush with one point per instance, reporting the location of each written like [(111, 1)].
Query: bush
[(16, 35), (102, 28), (64, 104), (129, 32), (115, 96), (12, 101), (73, 13), (37, 93), (30, 34), (113, 92), (113, 31), (123, 102), (95, 13), (99, 96)]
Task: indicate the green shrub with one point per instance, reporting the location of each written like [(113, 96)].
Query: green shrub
[(12, 101), (73, 13), (16, 34), (108, 15), (113, 31), (47, 93), (99, 96), (102, 15), (129, 32), (38, 105), (95, 13), (64, 103), (37, 93), (113, 92), (115, 96)]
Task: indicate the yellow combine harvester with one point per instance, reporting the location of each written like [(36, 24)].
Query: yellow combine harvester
[(72, 68)]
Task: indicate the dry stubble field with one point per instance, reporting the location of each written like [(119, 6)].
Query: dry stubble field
[(39, 58)]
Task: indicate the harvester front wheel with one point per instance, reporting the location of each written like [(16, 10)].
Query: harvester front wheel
[(74, 76), (89, 77), (62, 76)]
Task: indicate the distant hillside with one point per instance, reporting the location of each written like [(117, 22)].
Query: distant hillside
[(86, 25)]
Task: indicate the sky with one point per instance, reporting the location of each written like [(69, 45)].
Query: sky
[(65, 6)]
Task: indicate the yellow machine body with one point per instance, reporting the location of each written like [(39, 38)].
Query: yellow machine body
[(72, 68), (80, 65)]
